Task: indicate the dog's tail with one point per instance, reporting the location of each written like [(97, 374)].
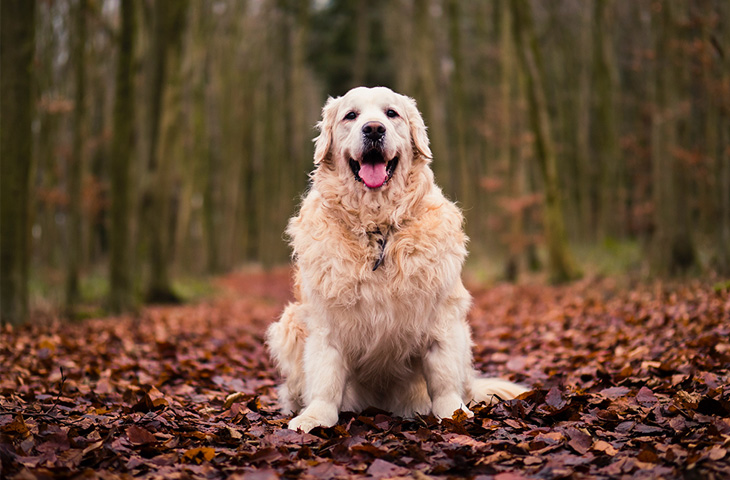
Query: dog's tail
[(285, 340), (492, 390)]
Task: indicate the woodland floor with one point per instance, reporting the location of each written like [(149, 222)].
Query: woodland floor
[(629, 381)]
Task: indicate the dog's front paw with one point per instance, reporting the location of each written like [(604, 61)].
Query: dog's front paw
[(306, 422), (446, 407), (318, 414)]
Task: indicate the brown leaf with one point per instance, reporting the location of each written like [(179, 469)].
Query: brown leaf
[(17, 426), (200, 454), (459, 416), (605, 447), (554, 398), (382, 469), (614, 392), (465, 440), (139, 435), (579, 441), (327, 470), (716, 453), (233, 398), (646, 397)]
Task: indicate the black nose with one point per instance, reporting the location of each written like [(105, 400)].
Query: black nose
[(373, 130)]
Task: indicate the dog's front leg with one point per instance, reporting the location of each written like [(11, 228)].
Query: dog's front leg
[(446, 367), (324, 372)]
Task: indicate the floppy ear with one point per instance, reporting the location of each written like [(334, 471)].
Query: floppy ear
[(323, 142), (419, 137)]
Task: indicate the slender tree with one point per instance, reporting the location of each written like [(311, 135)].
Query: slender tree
[(458, 109), (513, 163), (76, 163), (425, 89), (723, 165), (120, 273), (583, 164), (673, 249), (561, 264), (607, 152), (17, 45), (169, 21)]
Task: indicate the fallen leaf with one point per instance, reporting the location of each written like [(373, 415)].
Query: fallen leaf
[(646, 397), (382, 469), (605, 447), (200, 454), (139, 435)]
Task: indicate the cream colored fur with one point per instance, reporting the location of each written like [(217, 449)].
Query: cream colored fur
[(395, 338)]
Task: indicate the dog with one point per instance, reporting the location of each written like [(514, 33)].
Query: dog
[(379, 317)]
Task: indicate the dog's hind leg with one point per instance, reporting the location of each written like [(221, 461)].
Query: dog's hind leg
[(285, 340)]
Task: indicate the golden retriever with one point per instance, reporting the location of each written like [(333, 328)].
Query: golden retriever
[(380, 312)]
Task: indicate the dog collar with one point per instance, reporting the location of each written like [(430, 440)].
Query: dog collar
[(382, 241)]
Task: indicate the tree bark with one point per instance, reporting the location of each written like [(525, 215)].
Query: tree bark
[(457, 125), (611, 220), (723, 165), (77, 161), (17, 46), (673, 248), (561, 265), (583, 165), (121, 296), (512, 163), (164, 115), (426, 91)]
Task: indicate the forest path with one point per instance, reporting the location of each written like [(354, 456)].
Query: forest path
[(625, 382)]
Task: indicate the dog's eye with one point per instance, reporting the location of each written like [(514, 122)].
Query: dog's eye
[(351, 116), (391, 113)]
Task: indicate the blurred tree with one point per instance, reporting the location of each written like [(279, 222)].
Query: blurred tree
[(561, 264), (120, 271), (722, 234), (426, 89), (583, 164), (166, 50), (673, 249), (457, 124), (348, 46), (188, 241), (17, 46), (514, 240), (76, 162), (610, 219)]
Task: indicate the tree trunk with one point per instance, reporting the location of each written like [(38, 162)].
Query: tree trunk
[(467, 170), (76, 163), (120, 272), (561, 265), (17, 47), (584, 167), (673, 248), (426, 90), (164, 115), (607, 156), (362, 42), (512, 163), (723, 165)]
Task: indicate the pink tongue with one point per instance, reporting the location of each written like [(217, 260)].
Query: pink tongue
[(373, 174)]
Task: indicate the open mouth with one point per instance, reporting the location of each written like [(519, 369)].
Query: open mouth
[(374, 171)]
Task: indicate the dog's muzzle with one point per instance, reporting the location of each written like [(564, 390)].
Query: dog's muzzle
[(373, 169)]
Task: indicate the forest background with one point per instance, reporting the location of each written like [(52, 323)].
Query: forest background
[(147, 144)]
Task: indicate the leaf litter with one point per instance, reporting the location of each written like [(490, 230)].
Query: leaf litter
[(626, 382)]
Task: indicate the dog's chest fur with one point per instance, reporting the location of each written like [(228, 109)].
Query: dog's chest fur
[(380, 318)]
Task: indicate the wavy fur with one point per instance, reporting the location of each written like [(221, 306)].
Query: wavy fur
[(396, 337)]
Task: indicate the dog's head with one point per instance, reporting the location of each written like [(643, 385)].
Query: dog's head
[(372, 137)]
